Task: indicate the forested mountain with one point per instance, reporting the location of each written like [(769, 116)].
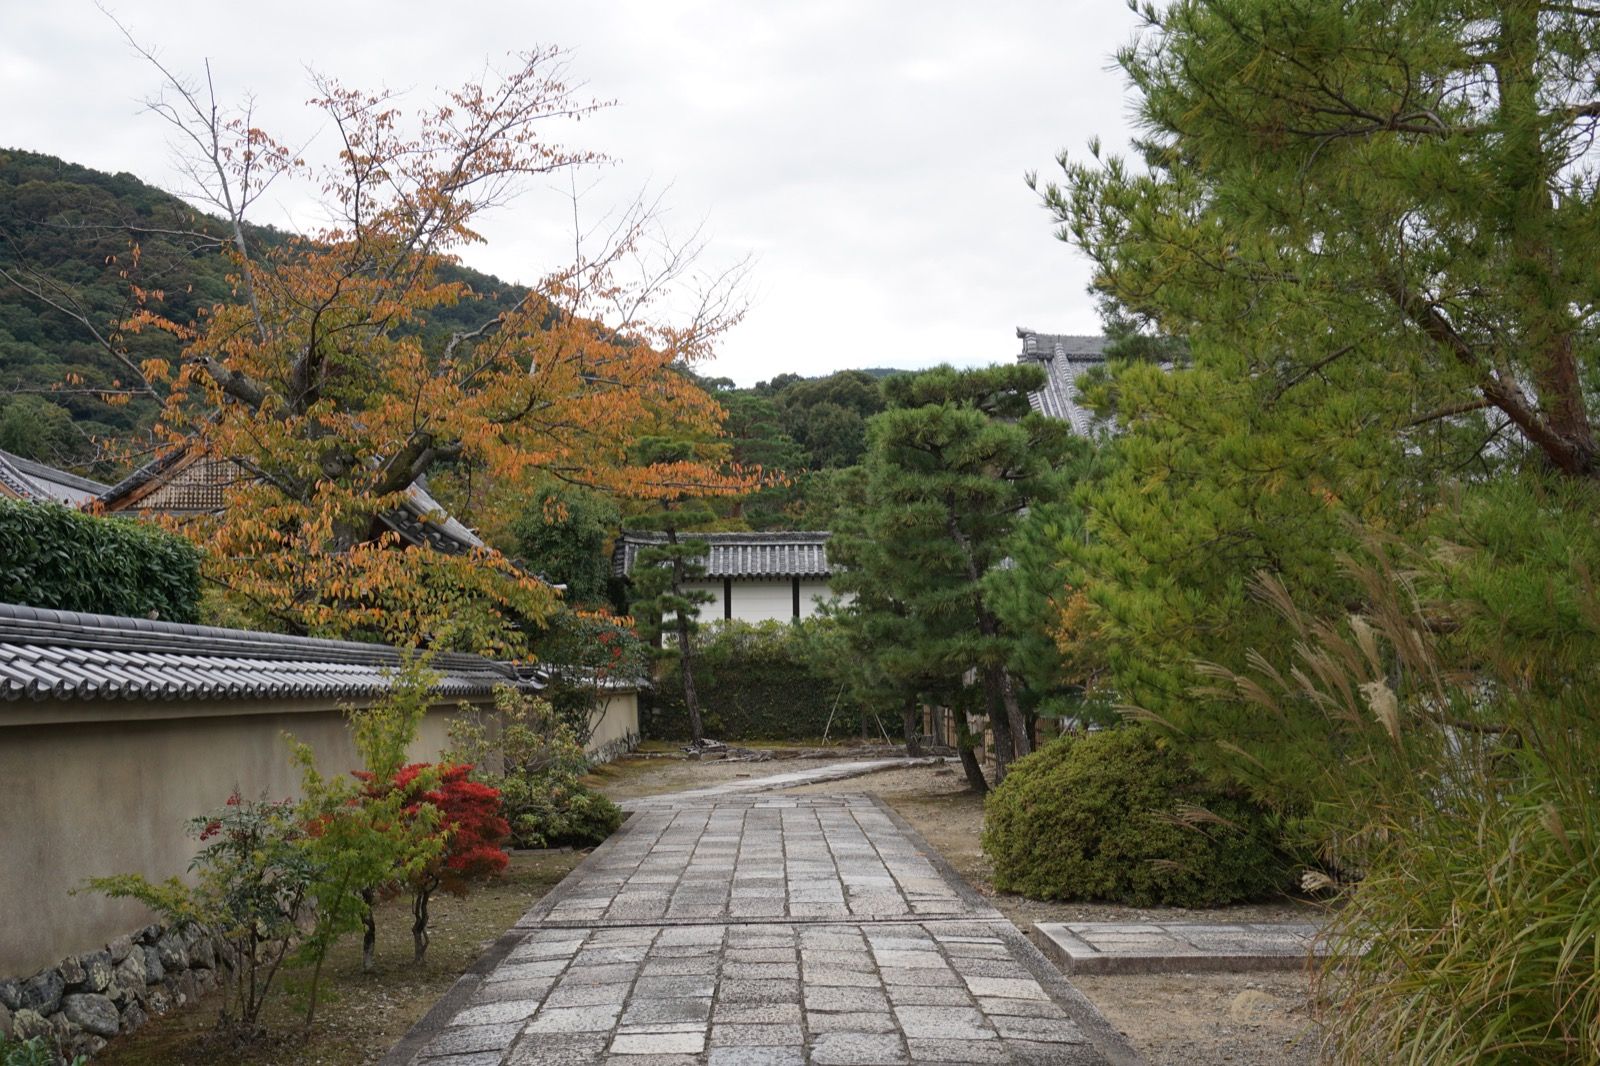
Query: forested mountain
[(82, 250)]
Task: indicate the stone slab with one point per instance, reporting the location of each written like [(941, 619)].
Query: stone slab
[(835, 771), (1177, 947)]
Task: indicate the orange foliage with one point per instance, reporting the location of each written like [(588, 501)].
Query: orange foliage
[(316, 381)]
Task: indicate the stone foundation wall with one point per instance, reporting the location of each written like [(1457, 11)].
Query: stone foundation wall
[(83, 1001)]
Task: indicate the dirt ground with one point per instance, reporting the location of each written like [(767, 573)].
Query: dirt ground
[(1254, 1019), (360, 1016)]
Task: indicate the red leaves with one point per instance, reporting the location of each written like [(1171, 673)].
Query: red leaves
[(469, 816)]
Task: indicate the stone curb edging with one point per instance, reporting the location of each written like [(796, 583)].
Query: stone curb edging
[(1276, 946)]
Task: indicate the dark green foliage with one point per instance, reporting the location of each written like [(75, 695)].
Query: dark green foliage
[(954, 463), (759, 682), (53, 556), (561, 535), (36, 428), (534, 757), (35, 1051), (585, 653), (1109, 816)]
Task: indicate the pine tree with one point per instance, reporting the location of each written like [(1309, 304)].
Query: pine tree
[(952, 465), (662, 600)]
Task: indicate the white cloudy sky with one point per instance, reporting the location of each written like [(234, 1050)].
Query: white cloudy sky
[(869, 155)]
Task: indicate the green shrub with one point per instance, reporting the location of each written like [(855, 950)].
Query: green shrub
[(55, 557), (32, 1052), (1121, 816), (758, 681), (540, 760)]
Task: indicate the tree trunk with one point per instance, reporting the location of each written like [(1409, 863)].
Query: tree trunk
[(969, 760), (911, 727), (369, 932), (999, 726), (1021, 741), (691, 699), (419, 922)]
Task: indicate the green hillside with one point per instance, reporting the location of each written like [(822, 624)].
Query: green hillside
[(83, 239)]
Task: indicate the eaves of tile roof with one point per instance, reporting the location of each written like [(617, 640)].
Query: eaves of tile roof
[(33, 480), (66, 655), (739, 555)]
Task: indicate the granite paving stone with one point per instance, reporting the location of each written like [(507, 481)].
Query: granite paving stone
[(738, 927)]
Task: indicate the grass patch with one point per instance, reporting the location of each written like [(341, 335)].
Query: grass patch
[(360, 1016)]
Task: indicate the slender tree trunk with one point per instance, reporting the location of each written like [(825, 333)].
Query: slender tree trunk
[(1021, 741), (1005, 749), (1549, 323), (969, 760), (369, 932), (419, 922), (691, 698), (912, 727)]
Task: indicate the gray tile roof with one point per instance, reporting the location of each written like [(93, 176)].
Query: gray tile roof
[(36, 481), (1064, 358), (739, 555), (64, 655), (421, 520)]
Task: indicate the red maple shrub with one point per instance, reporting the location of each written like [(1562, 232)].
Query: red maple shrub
[(474, 832)]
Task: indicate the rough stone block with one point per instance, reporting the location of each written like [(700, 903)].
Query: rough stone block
[(91, 1012)]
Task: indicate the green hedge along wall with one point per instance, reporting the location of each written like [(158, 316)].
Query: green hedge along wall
[(758, 682), (55, 557)]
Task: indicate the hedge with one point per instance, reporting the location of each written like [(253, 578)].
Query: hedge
[(1096, 817), (757, 682), (55, 557)]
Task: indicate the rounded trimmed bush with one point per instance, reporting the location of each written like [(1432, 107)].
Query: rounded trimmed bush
[(1094, 817)]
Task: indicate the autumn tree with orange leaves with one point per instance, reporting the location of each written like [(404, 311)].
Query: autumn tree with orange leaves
[(316, 383)]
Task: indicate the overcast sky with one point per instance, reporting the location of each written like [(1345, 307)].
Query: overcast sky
[(868, 155)]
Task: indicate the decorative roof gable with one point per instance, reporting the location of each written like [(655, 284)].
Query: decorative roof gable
[(1065, 358)]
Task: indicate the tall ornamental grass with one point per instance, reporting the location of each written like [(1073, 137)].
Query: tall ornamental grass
[(1459, 823)]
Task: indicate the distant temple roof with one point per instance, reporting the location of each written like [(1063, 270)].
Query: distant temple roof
[(48, 654), (1064, 359), (739, 555), (186, 483), (29, 480)]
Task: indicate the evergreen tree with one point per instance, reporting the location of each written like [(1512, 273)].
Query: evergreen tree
[(561, 534), (952, 465), (1371, 226), (1400, 194), (662, 602)]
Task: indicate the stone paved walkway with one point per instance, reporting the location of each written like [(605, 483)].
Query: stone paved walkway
[(762, 930)]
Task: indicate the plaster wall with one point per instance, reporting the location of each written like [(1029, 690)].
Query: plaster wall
[(761, 601), (619, 724), (108, 788)]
